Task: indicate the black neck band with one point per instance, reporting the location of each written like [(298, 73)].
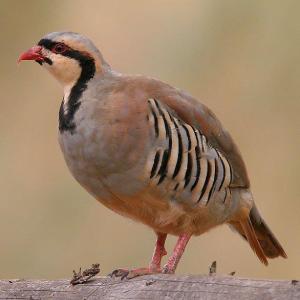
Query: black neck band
[(87, 65), (66, 122)]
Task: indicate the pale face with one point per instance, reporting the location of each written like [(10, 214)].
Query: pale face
[(65, 69), (65, 56)]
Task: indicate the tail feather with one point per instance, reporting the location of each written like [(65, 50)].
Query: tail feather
[(252, 240), (260, 237), (266, 238)]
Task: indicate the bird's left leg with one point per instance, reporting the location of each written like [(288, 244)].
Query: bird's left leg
[(155, 264), (159, 252), (170, 266)]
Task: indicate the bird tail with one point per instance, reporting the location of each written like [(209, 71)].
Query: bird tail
[(259, 236)]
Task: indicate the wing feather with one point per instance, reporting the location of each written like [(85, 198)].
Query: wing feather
[(196, 114)]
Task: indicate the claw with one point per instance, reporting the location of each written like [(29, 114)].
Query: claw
[(129, 274), (166, 270), (119, 273), (125, 275)]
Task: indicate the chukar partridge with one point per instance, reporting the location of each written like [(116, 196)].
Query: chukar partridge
[(150, 152)]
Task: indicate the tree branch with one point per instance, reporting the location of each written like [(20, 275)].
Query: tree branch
[(154, 287)]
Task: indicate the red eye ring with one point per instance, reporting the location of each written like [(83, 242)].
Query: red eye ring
[(59, 48)]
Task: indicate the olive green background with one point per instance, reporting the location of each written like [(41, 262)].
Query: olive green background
[(241, 58)]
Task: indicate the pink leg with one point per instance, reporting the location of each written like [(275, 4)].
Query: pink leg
[(159, 252), (173, 260), (154, 266)]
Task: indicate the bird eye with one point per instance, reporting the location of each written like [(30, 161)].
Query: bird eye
[(59, 48)]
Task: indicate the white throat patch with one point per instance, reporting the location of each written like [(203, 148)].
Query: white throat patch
[(67, 91)]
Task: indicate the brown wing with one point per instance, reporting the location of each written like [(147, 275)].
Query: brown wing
[(193, 113), (198, 115)]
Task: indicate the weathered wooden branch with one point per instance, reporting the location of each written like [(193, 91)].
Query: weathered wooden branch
[(154, 287)]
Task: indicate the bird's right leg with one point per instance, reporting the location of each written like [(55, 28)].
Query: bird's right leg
[(155, 264)]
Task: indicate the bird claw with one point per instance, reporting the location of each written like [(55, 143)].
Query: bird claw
[(129, 274), (122, 273), (167, 270)]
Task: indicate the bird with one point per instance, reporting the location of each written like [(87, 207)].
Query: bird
[(149, 152)]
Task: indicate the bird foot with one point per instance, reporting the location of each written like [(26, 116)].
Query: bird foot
[(129, 274), (167, 270)]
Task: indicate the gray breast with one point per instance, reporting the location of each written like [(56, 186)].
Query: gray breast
[(103, 152)]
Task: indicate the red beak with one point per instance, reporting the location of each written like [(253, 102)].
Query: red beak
[(34, 53)]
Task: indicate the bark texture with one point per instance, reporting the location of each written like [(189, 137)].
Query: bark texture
[(154, 287)]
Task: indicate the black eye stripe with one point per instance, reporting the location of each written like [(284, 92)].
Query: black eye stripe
[(75, 54), (48, 44)]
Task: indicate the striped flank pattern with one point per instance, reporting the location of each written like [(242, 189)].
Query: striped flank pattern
[(183, 160)]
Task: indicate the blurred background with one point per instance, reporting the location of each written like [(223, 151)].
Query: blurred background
[(240, 58)]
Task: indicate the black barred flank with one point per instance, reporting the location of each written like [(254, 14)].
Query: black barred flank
[(155, 121), (167, 126), (224, 170), (197, 151), (179, 158), (208, 174), (167, 153), (155, 164), (166, 156), (213, 187), (163, 167), (206, 170), (188, 172), (188, 136), (161, 178)]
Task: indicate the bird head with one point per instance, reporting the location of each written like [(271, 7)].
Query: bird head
[(68, 56)]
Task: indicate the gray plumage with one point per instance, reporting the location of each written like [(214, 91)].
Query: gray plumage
[(150, 151)]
